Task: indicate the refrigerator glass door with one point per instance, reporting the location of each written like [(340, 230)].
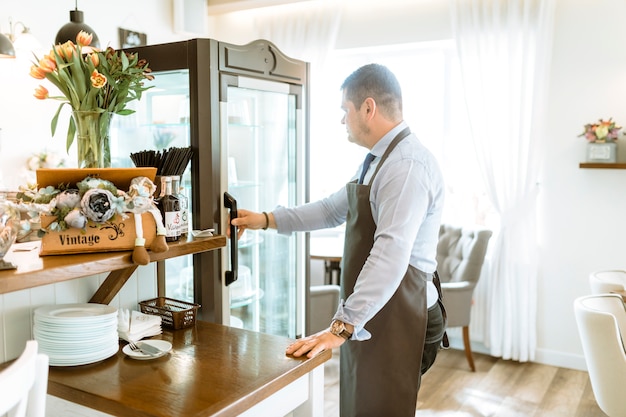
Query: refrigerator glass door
[(260, 152), (161, 121)]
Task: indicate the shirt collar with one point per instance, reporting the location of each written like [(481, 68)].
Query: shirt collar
[(379, 149)]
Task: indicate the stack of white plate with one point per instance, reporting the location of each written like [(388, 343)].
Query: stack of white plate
[(76, 334)]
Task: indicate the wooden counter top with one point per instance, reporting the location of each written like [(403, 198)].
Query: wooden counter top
[(213, 370), (34, 270)]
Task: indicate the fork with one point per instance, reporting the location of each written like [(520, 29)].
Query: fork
[(136, 348), (152, 351)]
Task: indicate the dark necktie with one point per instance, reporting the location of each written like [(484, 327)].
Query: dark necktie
[(366, 164)]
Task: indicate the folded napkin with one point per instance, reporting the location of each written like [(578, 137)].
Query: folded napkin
[(135, 325)]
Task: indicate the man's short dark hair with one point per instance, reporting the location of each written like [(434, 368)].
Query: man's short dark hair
[(377, 82)]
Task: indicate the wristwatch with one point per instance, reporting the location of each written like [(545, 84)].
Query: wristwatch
[(338, 328)]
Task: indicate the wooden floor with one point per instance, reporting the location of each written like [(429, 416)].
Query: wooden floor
[(498, 388)]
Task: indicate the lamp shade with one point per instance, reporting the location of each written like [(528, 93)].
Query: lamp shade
[(69, 30), (6, 47)]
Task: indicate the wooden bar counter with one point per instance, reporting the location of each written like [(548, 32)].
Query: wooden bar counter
[(213, 370)]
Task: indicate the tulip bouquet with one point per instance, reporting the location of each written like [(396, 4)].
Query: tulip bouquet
[(90, 79), (601, 132)]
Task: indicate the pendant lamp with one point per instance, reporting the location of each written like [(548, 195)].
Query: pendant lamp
[(6, 47), (69, 31)]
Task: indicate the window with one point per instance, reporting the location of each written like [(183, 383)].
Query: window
[(434, 108)]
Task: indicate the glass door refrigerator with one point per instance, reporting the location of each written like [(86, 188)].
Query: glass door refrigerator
[(243, 109)]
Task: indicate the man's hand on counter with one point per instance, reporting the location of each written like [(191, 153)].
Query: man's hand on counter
[(314, 344)]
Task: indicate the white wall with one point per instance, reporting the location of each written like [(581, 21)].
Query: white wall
[(580, 211)]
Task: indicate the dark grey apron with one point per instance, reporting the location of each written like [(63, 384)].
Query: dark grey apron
[(381, 376)]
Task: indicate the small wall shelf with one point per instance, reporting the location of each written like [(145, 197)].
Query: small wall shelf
[(613, 165)]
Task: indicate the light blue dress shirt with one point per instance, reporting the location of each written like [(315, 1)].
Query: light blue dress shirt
[(406, 198)]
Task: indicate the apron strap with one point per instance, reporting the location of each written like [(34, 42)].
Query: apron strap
[(403, 134), (444, 342)]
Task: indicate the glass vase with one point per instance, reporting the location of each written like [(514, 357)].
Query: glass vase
[(92, 138)]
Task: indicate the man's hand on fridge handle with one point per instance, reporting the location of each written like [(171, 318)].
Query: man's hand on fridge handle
[(250, 220)]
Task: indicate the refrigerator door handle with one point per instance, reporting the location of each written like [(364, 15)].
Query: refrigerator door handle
[(231, 203)]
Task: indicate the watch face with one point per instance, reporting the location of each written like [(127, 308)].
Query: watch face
[(337, 327)]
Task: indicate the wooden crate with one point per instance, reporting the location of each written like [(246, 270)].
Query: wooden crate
[(117, 234)]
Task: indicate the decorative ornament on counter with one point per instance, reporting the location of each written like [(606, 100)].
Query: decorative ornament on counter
[(9, 228), (95, 200), (95, 84), (141, 201)]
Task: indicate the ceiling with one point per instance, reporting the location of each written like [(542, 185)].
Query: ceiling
[(226, 6)]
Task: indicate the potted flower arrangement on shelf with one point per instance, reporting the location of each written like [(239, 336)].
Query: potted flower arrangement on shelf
[(601, 140), (95, 84), (94, 216)]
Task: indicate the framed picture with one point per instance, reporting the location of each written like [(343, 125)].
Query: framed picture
[(130, 38)]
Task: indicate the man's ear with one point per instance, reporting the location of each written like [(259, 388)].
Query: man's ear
[(369, 106)]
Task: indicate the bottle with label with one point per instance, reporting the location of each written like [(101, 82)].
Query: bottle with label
[(178, 191), (169, 205)]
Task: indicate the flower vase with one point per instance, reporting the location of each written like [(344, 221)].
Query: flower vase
[(602, 151), (92, 138)]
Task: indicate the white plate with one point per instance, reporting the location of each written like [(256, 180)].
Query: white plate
[(91, 312), (83, 360), (163, 345)]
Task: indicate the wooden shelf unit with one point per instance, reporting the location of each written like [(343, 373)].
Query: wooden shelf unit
[(603, 165)]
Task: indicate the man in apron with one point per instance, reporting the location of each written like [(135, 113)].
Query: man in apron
[(392, 211)]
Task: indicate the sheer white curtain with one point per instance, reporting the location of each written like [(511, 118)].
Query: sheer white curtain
[(504, 50), (305, 31)]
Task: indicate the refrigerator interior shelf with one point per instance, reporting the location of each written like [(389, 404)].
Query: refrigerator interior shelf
[(246, 299)]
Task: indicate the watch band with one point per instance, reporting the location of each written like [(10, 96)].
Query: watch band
[(338, 328)]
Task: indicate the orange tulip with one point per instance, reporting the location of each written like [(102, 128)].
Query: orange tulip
[(37, 72), (66, 50), (95, 59), (41, 92), (47, 64), (98, 80), (83, 38)]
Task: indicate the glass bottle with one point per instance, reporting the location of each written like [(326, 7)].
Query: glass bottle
[(169, 206), (178, 191)]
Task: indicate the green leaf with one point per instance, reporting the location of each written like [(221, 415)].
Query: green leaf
[(71, 131), (124, 61), (55, 119)]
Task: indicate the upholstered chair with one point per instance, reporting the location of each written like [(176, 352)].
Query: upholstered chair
[(460, 257)]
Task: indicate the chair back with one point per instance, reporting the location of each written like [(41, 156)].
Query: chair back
[(324, 301), (602, 282), (24, 384), (601, 320), (460, 258), (461, 253)]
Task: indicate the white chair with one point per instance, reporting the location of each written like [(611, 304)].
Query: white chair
[(601, 320), (24, 383), (460, 257), (606, 281)]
